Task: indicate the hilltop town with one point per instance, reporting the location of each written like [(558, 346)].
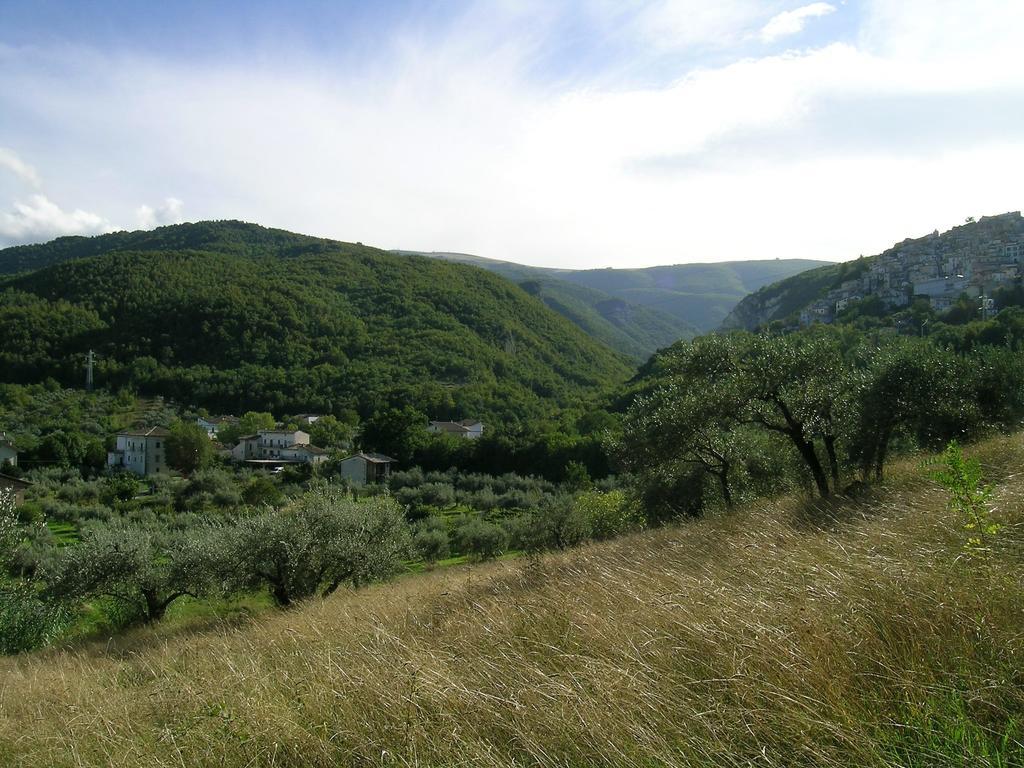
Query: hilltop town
[(976, 260)]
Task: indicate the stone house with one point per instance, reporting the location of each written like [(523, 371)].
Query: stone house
[(143, 452), (16, 485), (467, 428), (366, 468)]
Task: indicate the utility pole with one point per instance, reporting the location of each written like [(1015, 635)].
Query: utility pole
[(89, 360)]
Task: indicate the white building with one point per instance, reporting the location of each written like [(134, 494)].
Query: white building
[(214, 424), (143, 452), (278, 446), (467, 428), (945, 286), (365, 468), (8, 453)]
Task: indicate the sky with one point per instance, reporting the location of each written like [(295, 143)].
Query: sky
[(563, 133)]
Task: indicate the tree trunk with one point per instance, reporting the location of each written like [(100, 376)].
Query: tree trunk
[(881, 451), (280, 594), (810, 457), (723, 481), (155, 608), (794, 430), (833, 462)]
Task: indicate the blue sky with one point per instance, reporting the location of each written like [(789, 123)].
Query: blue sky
[(571, 134)]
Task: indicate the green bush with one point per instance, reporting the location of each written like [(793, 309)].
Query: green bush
[(479, 539)]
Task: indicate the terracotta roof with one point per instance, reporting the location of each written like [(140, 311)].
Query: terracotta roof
[(316, 451), (151, 432), (374, 458), (15, 481)]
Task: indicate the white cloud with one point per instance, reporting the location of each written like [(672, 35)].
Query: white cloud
[(40, 219), (791, 22), (170, 212), (10, 161), (454, 144), (698, 23)]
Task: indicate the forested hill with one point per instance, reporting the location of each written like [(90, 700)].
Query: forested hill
[(233, 237), (234, 317), (638, 311)]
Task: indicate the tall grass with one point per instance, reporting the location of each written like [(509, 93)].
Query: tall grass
[(847, 634)]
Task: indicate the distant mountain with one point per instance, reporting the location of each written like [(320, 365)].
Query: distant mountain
[(234, 316), (983, 256), (637, 311)]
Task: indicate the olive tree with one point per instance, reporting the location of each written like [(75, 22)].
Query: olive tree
[(797, 387), (26, 621), (142, 570), (324, 540)]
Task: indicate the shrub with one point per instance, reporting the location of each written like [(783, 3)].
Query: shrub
[(480, 539), (608, 514), (431, 540), (556, 524)]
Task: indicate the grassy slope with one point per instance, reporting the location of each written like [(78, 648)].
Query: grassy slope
[(757, 638)]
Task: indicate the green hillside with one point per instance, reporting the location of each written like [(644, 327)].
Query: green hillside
[(638, 311), (700, 295), (234, 316), (629, 328), (785, 298)]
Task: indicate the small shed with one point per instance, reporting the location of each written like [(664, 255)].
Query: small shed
[(16, 485), (365, 468)]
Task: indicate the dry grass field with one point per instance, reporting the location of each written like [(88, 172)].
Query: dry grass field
[(849, 634)]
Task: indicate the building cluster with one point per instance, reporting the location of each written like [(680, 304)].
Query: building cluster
[(144, 451), (974, 259), (277, 447)]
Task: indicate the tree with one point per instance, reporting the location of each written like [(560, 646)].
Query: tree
[(555, 524), (26, 621), (142, 570), (794, 386), (680, 425), (188, 447), (323, 541), (250, 423), (398, 432), (329, 432), (910, 386), (121, 486)]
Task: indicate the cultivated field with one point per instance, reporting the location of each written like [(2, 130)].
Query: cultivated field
[(855, 633)]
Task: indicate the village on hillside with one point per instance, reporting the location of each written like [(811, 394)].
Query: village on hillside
[(974, 260)]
